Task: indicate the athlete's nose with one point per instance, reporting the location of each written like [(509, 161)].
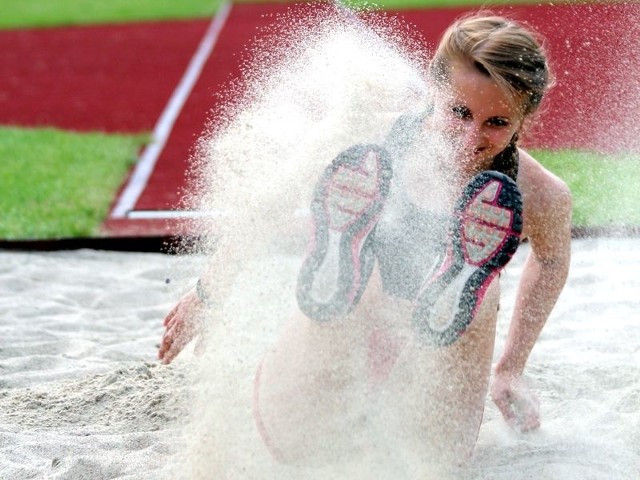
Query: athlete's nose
[(472, 135)]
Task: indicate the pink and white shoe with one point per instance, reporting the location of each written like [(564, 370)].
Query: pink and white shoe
[(347, 204), (484, 236)]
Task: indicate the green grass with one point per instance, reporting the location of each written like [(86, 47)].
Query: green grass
[(604, 187), (42, 13), (401, 4), (60, 184), (46, 13)]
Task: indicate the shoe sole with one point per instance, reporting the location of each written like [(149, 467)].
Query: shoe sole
[(485, 234), (335, 273)]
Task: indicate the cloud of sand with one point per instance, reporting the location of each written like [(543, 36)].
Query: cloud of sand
[(325, 82)]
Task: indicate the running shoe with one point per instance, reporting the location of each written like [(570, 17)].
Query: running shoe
[(346, 206), (484, 235)]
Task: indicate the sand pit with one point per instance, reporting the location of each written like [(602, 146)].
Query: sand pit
[(82, 395)]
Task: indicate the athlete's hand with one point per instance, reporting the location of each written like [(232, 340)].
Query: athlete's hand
[(182, 324), (519, 405)]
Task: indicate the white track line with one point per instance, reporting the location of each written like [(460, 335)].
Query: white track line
[(171, 214), (140, 176)]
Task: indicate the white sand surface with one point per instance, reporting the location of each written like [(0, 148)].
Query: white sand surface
[(82, 396)]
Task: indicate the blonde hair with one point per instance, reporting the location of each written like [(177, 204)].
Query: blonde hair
[(500, 48)]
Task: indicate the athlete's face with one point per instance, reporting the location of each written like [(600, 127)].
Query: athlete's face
[(478, 115)]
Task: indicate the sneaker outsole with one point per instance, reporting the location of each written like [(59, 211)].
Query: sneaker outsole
[(484, 235), (335, 273)]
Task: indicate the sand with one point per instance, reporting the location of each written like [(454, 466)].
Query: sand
[(83, 397), (81, 394)]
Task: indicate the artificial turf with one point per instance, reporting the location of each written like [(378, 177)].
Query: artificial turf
[(50, 13), (604, 187), (60, 184)]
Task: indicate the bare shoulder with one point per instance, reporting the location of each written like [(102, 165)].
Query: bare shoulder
[(540, 185), (547, 202)]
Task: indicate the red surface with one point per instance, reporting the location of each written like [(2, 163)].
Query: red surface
[(223, 66), (573, 112), (114, 78), (119, 78), (593, 49)]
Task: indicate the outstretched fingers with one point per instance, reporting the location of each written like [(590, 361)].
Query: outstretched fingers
[(519, 406), (182, 324), (173, 341), (169, 319)]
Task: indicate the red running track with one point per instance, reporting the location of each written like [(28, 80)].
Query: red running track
[(120, 78)]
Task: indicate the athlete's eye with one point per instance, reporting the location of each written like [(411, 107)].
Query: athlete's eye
[(461, 111), (498, 122)]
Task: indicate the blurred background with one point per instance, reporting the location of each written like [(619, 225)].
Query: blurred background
[(85, 85)]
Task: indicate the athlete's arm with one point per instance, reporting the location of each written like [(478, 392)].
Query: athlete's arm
[(201, 304), (548, 225)]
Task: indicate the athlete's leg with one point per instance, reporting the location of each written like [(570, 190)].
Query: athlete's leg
[(309, 388), (308, 397), (435, 395)]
